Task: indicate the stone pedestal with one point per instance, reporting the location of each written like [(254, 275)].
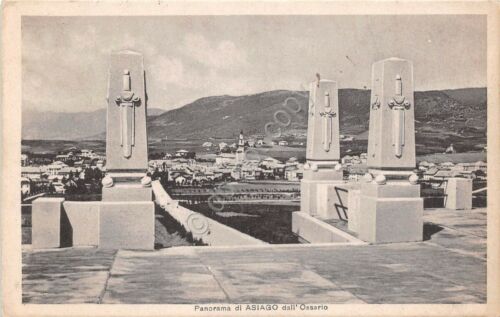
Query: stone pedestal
[(353, 210), (390, 205), (46, 223), (458, 193), (127, 192), (127, 225), (322, 173), (318, 193), (390, 212)]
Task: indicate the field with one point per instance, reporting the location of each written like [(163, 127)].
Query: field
[(454, 158), (270, 223)]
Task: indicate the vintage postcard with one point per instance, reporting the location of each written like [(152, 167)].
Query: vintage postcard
[(250, 158)]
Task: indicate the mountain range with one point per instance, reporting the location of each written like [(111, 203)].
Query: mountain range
[(224, 116)]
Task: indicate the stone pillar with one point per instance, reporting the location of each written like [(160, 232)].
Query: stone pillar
[(126, 133), (458, 193), (46, 223), (322, 171), (126, 215), (390, 204)]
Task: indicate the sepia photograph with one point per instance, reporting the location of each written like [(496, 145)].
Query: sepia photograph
[(252, 163)]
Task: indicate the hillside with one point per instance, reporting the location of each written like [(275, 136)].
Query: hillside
[(50, 125), (442, 117)]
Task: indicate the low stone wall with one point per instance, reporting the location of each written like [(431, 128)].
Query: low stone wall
[(112, 225), (205, 229), (317, 231)]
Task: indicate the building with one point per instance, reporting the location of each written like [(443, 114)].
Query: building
[(283, 143), (240, 151), (293, 173), (222, 146), (25, 186), (24, 159), (87, 153), (357, 171), (225, 159), (31, 172), (181, 153)]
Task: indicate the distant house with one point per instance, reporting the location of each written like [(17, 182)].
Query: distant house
[(445, 174), (222, 146), (346, 160), (31, 172), (25, 186), (270, 162), (251, 143), (363, 157), (236, 173), (423, 165), (347, 139), (429, 173), (181, 153), (450, 149), (481, 166), (356, 172), (180, 180), (24, 159), (292, 161), (293, 173), (87, 153), (207, 144), (447, 164), (225, 158), (283, 143)]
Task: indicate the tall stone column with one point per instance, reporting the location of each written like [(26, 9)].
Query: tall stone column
[(390, 207), (126, 133), (322, 171), (126, 213)]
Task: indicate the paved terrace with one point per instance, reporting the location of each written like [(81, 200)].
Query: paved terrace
[(450, 267)]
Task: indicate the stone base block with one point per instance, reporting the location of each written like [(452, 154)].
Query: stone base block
[(83, 222), (127, 193), (46, 223), (383, 220), (325, 199), (353, 203), (458, 193), (127, 225), (316, 231)]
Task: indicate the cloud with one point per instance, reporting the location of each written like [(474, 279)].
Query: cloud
[(223, 55)]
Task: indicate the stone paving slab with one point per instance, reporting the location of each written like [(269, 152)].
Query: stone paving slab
[(448, 268), (65, 276), (273, 282), (144, 277)]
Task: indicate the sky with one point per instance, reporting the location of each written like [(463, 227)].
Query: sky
[(65, 60)]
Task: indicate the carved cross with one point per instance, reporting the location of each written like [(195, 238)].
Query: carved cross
[(328, 116), (127, 101), (398, 104)]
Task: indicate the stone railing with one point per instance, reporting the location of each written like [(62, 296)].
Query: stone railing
[(205, 229)]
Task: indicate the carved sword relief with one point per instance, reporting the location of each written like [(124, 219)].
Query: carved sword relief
[(398, 104), (327, 116), (127, 101)]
